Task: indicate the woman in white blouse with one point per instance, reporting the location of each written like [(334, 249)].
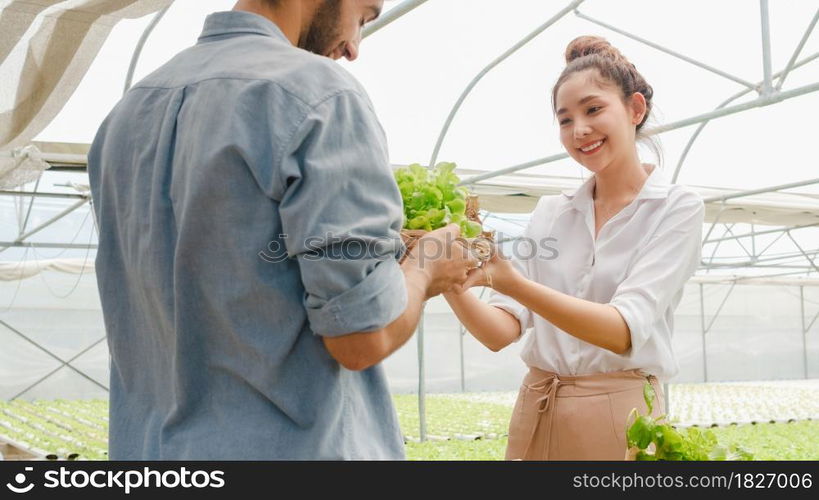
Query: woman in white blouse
[(597, 274)]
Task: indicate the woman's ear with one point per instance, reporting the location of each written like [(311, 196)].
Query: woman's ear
[(638, 108)]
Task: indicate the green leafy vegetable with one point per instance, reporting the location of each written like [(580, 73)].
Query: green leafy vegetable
[(668, 443), (433, 199)]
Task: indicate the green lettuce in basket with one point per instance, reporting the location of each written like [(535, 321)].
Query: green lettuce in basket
[(433, 199)]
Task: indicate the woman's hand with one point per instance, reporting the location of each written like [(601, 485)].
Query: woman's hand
[(497, 273)]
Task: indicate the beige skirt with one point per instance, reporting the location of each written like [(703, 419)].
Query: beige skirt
[(560, 417)]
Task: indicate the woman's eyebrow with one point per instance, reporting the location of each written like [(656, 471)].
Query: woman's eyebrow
[(580, 102)]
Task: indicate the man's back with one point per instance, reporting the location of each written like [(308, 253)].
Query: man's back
[(213, 180)]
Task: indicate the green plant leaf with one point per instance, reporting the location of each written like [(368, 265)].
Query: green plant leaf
[(470, 229), (641, 432), (648, 395)]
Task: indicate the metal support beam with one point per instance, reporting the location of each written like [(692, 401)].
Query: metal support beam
[(804, 330), (26, 244), (422, 390), (781, 261), (753, 234), (767, 86), (140, 44), (798, 50), (755, 279), (801, 269), (716, 247), (722, 210), (43, 195), (51, 354), (461, 334), (756, 103), (49, 221), (30, 205), (763, 276), (741, 194), (806, 327), (702, 324), (758, 261), (719, 309), (508, 170), (670, 52), (729, 230), (390, 16), (728, 101), (771, 244), (489, 68), (753, 239), (68, 364), (812, 263), (705, 329), (717, 113)]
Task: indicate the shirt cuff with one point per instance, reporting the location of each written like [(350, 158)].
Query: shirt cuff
[(375, 302), (513, 307), (634, 318)]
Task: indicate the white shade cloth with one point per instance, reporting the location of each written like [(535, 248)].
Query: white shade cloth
[(46, 47), (14, 271), (21, 166)]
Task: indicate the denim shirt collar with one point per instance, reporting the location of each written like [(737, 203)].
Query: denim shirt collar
[(235, 22)]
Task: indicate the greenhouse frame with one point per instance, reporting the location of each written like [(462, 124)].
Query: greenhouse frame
[(762, 241)]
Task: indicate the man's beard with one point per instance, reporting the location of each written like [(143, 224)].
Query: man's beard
[(324, 29)]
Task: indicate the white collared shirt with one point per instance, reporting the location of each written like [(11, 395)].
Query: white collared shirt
[(639, 264)]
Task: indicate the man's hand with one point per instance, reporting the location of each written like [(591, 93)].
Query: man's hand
[(442, 256), (437, 263)]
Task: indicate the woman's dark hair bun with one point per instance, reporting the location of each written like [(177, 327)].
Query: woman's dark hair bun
[(586, 45)]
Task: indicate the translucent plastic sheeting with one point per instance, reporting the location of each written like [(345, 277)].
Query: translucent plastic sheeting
[(46, 47)]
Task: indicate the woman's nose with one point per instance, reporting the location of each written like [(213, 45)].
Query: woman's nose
[(581, 130)]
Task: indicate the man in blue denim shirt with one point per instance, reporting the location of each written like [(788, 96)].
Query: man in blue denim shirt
[(234, 189)]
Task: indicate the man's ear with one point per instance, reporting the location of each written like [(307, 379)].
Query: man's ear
[(638, 108)]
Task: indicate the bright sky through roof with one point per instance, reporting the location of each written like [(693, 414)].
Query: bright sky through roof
[(415, 68)]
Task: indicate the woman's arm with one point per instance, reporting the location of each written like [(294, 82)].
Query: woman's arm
[(663, 265), (598, 324), (492, 326)]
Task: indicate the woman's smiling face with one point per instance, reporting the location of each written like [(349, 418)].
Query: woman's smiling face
[(597, 127)]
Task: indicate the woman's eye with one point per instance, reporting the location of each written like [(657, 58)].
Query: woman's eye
[(594, 109), (564, 121)]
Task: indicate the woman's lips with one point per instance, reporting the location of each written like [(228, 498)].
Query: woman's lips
[(591, 147)]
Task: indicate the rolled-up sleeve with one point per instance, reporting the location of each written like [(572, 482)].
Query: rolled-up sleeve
[(661, 268), (341, 213), (512, 306)]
